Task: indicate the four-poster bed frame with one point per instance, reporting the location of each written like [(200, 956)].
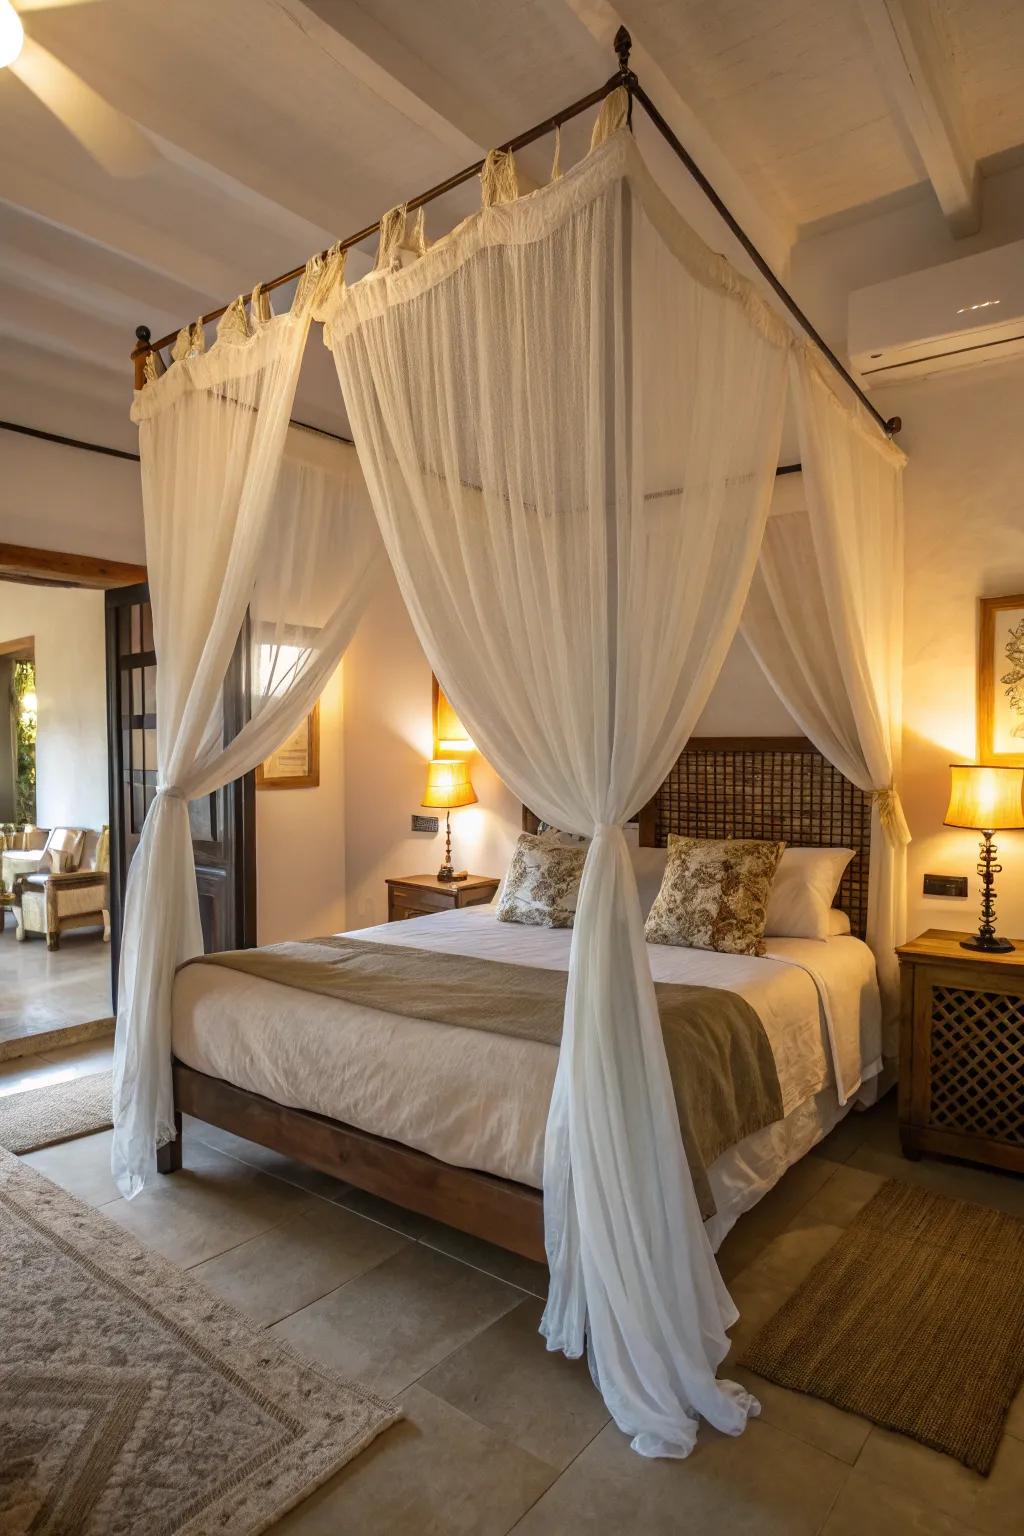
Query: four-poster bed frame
[(772, 787), (776, 788)]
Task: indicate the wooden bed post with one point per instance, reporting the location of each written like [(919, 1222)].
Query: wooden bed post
[(168, 1157), (143, 336)]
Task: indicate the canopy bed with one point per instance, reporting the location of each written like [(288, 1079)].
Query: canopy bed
[(567, 415)]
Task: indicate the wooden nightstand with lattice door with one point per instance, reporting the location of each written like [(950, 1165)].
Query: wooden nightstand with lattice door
[(962, 1051)]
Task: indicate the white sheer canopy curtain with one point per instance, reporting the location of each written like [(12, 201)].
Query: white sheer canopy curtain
[(825, 620), (260, 534), (568, 412)]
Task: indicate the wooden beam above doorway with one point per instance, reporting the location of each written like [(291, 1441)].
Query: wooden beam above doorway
[(50, 567)]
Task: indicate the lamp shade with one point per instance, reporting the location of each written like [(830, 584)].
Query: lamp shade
[(985, 799), (448, 784)]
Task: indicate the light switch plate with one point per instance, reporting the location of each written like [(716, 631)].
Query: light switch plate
[(946, 885), (424, 823)]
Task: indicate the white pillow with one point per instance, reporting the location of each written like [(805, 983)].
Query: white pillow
[(838, 922), (802, 892)]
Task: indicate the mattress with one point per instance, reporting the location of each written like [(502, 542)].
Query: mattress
[(479, 1100)]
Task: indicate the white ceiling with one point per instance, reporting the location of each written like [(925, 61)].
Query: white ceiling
[(282, 124)]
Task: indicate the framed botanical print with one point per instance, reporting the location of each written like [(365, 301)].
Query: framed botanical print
[(296, 763), (1001, 681)]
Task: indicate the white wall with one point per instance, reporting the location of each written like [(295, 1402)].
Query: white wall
[(965, 540), (300, 842), (55, 497), (71, 747)]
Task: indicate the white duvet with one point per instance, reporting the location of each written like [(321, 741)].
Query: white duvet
[(479, 1100)]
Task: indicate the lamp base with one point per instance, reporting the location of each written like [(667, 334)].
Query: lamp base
[(447, 871), (993, 946)]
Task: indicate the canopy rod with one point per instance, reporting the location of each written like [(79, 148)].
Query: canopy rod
[(626, 77), (519, 142)]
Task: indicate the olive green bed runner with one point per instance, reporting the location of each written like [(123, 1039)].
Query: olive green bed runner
[(720, 1059)]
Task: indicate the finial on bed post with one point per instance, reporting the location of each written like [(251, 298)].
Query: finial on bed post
[(893, 425), (144, 337), (623, 43)]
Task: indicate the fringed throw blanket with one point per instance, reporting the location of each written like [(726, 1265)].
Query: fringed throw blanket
[(721, 1062)]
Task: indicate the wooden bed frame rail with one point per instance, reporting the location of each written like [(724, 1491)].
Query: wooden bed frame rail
[(498, 1210)]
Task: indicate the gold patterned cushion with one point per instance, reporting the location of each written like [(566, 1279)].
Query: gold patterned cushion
[(714, 895), (543, 883)]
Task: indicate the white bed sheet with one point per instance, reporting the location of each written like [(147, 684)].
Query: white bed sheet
[(479, 1100)]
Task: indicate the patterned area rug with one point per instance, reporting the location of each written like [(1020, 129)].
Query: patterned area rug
[(133, 1400), (915, 1320), (40, 1116)]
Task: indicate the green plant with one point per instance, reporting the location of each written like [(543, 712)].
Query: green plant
[(24, 704)]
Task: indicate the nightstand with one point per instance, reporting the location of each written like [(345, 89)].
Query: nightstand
[(419, 895), (961, 1051)]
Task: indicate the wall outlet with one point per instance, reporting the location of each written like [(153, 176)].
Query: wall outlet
[(424, 823), (946, 885)]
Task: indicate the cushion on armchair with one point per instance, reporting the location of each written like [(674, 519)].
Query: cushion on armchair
[(63, 851)]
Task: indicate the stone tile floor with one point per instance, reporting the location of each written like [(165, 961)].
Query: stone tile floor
[(500, 1436), (43, 990)]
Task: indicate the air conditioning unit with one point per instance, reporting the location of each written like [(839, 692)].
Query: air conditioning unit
[(963, 312)]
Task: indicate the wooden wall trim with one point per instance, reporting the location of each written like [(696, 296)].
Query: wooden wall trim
[(23, 649), (19, 560)]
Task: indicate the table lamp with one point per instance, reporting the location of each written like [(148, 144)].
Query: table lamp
[(448, 786), (987, 800)]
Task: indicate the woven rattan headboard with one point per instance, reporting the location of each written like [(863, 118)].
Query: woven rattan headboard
[(772, 787), (776, 787)]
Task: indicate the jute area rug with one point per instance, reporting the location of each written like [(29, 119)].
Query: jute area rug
[(133, 1401), (914, 1319), (40, 1116)]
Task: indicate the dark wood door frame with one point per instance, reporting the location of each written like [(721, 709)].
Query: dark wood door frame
[(223, 823), (20, 562)]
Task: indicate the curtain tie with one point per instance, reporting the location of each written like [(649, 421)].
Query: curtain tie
[(171, 792), (890, 814)]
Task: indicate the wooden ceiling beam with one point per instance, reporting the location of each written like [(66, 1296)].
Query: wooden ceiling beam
[(379, 60), (19, 563), (920, 80)]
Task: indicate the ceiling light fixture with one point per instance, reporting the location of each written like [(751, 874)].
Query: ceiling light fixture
[(12, 34)]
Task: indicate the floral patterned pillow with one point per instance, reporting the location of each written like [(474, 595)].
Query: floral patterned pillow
[(714, 895), (543, 883)]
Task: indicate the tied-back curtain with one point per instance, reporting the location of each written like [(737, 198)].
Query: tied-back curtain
[(257, 534), (568, 413), (825, 620)]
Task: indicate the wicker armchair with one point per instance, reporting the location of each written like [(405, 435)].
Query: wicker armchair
[(50, 902)]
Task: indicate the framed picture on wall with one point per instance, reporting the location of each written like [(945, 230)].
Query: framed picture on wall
[(450, 738), (1001, 681), (296, 763)]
